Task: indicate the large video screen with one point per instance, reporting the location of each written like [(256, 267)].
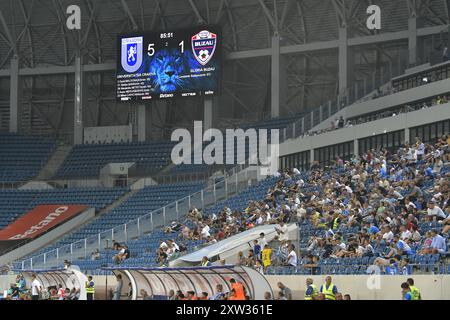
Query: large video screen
[(169, 64)]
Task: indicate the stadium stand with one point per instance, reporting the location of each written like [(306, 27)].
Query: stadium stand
[(357, 92), (21, 157), (333, 208), (14, 203), (87, 160), (141, 203)]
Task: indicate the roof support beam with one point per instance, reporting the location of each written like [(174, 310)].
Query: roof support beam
[(8, 36), (200, 19), (268, 15), (130, 16), (292, 49)]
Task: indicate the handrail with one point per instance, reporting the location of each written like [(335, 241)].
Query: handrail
[(350, 95), (219, 191)]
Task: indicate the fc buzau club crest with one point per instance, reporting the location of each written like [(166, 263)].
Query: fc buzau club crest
[(131, 54), (203, 46)]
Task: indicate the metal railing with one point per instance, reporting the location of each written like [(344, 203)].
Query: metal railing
[(82, 249)]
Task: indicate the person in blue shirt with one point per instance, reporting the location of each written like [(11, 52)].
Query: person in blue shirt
[(406, 291), (392, 269), (438, 244), (256, 249), (373, 229)]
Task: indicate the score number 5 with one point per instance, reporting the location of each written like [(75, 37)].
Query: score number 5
[(151, 49)]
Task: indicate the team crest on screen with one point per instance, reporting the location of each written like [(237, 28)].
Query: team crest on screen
[(203, 46), (131, 54)]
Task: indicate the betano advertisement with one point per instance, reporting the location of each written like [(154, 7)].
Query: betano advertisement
[(39, 220)]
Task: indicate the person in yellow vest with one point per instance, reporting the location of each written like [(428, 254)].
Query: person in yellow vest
[(311, 292), (206, 262), (90, 288), (266, 256), (415, 292), (329, 289)]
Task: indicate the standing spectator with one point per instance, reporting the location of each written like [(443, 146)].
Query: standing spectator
[(118, 289), (341, 122), (292, 257), (262, 240), (445, 54), (36, 288), (256, 249), (266, 257), (285, 290)]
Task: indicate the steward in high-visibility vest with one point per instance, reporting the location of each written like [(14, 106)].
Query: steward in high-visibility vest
[(311, 292), (329, 289), (90, 288), (415, 292)]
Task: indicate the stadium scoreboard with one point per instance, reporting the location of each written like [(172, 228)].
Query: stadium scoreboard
[(169, 64)]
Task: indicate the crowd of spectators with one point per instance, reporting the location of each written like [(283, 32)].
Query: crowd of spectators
[(383, 196)]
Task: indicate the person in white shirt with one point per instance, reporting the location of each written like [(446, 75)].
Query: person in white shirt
[(259, 220), (435, 211), (163, 245), (282, 231), (205, 231), (292, 257), (301, 212), (262, 240), (388, 235), (405, 233), (295, 171), (175, 246), (36, 288)]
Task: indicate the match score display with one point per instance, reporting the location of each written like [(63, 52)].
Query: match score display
[(172, 64)]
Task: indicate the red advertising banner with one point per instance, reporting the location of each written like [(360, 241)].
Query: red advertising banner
[(39, 220)]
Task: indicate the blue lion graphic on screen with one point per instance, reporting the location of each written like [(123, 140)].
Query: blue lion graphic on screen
[(169, 65)]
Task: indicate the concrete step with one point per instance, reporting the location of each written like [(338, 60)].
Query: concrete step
[(54, 163)]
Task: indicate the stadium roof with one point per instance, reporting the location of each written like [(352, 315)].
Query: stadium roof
[(309, 32)]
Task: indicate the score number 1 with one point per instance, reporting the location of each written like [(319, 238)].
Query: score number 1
[(151, 48)]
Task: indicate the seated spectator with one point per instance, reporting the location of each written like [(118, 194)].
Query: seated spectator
[(435, 212), (402, 246), (438, 244)]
